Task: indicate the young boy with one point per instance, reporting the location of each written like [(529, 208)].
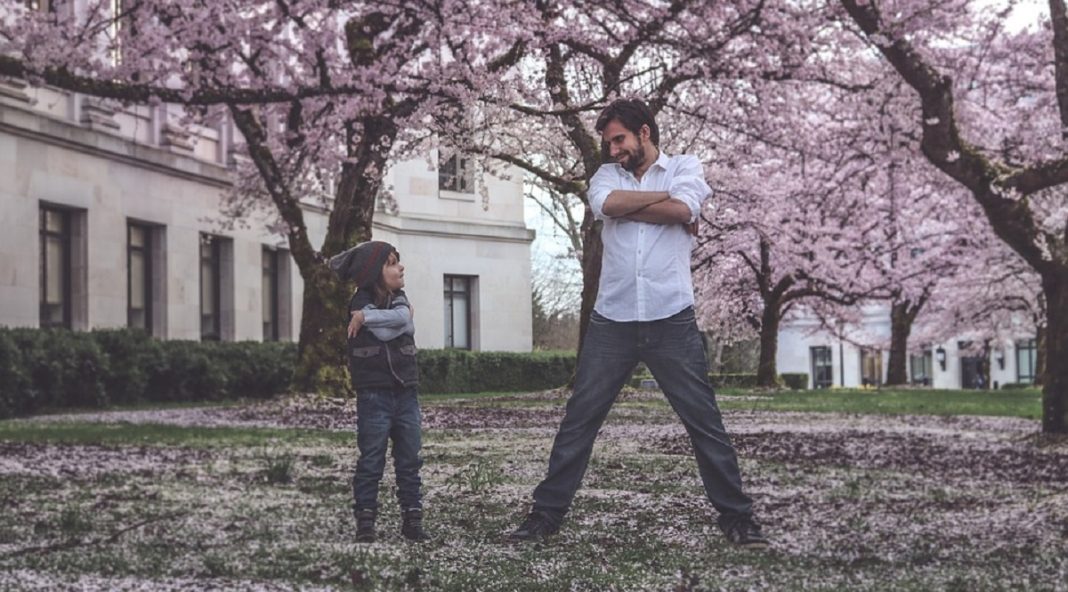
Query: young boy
[(382, 364)]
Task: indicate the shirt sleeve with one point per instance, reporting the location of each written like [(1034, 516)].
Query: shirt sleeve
[(601, 184), (390, 323), (688, 185)]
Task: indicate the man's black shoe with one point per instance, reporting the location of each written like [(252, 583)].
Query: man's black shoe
[(744, 531), (537, 527)]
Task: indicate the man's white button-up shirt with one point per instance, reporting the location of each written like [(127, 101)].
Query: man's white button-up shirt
[(645, 268)]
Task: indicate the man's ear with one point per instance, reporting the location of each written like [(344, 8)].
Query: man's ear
[(645, 132)]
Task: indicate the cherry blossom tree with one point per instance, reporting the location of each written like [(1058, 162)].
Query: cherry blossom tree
[(585, 54), (324, 94), (995, 119)]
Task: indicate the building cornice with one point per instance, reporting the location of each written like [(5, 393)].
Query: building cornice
[(34, 125), (416, 225)]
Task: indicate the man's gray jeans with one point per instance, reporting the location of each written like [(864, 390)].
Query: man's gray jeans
[(673, 350)]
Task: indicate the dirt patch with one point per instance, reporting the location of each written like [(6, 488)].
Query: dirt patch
[(75, 461), (441, 417), (957, 457)]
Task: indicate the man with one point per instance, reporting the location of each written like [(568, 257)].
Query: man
[(649, 203)]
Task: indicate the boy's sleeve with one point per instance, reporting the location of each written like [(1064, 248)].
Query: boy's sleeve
[(391, 323)]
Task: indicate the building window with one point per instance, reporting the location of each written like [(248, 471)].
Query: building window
[(1026, 354), (921, 368), (871, 367), (270, 294), (139, 276), (210, 287), (457, 174), (55, 231), (822, 367), (41, 5), (458, 297)]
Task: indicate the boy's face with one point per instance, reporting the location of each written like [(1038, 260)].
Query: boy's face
[(624, 146), (393, 273)]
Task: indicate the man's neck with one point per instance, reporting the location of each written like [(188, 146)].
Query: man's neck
[(648, 163)]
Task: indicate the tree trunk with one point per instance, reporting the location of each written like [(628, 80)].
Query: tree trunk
[(321, 365), (1040, 354), (1055, 378), (592, 248), (767, 372), (900, 328)]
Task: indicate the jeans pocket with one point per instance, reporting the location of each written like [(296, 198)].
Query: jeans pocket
[(685, 317), (597, 319)]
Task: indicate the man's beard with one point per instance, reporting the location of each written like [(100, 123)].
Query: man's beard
[(632, 162)]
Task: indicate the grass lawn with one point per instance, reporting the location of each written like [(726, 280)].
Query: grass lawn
[(1015, 403), (859, 490)]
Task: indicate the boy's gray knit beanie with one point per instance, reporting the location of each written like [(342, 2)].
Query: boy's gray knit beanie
[(363, 263)]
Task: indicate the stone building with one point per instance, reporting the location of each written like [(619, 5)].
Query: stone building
[(109, 217)]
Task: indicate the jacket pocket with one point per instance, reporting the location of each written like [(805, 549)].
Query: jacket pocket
[(408, 350), (366, 352)]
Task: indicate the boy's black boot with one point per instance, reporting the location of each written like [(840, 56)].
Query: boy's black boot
[(412, 526), (365, 526)]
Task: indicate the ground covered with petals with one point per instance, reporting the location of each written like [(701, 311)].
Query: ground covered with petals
[(256, 497)]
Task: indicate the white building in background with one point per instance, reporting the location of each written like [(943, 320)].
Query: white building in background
[(110, 218), (833, 362)]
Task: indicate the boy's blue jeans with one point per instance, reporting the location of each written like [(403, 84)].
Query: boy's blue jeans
[(383, 415), (673, 350)]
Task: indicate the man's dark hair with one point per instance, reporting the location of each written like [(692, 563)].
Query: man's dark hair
[(633, 114)]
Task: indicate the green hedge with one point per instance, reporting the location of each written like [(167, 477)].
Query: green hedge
[(743, 380), (459, 371), (1008, 386), (55, 368), (797, 381)]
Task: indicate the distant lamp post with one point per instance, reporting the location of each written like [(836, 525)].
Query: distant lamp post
[(1000, 357), (940, 356)]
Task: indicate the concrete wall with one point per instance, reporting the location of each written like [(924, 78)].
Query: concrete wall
[(117, 166)]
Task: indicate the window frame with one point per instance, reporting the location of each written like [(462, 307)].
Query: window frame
[(449, 295), (456, 174), (66, 272), (815, 353), (927, 357), (1031, 347), (270, 282), (874, 357), (146, 258), (215, 258)]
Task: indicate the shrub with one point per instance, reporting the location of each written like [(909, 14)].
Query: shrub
[(254, 369), (460, 371), (64, 368), (52, 368), (795, 381), (17, 394), (1015, 386), (191, 372), (743, 380), (135, 358)]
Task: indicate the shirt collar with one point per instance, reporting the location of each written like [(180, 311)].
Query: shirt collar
[(662, 161)]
